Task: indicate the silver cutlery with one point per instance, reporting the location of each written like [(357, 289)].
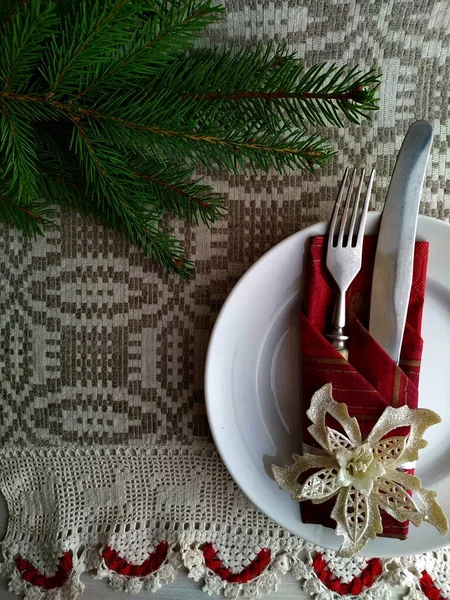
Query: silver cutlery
[(393, 270), (344, 251)]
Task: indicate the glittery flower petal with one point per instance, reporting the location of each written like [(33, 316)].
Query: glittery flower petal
[(287, 477), (395, 500), (390, 449), (322, 485), (430, 511), (337, 441), (357, 519), (322, 403), (418, 420)]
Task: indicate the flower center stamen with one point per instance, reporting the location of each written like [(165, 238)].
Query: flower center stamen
[(354, 467)]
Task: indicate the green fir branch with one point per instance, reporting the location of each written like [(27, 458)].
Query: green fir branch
[(17, 151), (23, 43), (233, 150), (65, 187), (174, 190), (103, 109), (274, 86), (90, 37), (8, 10), (122, 204), (152, 47), (30, 217)]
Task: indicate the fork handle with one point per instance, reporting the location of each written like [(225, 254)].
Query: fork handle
[(336, 334), (339, 340)]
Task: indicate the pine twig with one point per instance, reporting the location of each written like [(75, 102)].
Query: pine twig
[(30, 217), (189, 201), (275, 82)]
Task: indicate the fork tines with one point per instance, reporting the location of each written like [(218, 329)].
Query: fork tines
[(340, 221)]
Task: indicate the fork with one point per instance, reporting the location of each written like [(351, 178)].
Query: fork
[(344, 252)]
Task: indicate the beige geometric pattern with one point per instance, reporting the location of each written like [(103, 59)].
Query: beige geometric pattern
[(102, 355), (98, 346)]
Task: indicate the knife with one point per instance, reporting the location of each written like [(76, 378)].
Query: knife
[(393, 270)]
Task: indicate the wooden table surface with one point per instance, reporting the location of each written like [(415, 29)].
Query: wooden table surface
[(182, 587)]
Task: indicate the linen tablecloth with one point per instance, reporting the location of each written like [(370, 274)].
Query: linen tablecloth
[(106, 460)]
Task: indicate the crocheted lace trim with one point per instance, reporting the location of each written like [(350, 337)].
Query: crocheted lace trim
[(135, 515)]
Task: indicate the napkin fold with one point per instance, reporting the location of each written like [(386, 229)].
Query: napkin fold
[(369, 381)]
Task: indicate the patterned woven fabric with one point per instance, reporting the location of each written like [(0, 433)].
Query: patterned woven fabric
[(99, 349)]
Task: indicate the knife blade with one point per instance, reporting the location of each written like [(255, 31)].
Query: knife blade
[(393, 270)]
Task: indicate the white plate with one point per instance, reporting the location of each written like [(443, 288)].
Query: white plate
[(252, 383)]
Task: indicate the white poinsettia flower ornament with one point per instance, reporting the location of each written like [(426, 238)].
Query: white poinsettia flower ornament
[(364, 475)]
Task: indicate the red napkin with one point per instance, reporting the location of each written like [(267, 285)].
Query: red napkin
[(370, 380)]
